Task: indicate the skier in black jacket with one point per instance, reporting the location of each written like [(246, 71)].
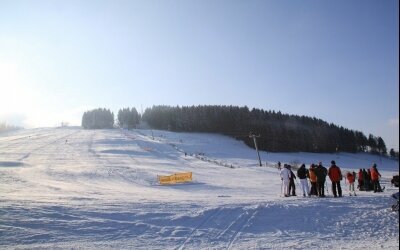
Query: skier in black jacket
[(321, 172), (292, 187), (302, 173)]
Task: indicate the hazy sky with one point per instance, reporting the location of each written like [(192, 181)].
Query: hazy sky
[(335, 60)]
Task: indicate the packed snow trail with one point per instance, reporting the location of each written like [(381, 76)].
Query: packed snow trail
[(73, 188)]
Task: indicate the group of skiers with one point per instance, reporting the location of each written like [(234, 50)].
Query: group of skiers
[(317, 174), (369, 179)]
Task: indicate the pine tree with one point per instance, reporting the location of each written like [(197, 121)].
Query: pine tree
[(381, 146), (98, 119)]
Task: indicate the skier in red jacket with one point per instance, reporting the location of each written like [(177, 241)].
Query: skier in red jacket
[(336, 176)]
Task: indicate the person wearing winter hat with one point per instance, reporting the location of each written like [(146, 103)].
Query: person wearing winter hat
[(336, 176), (302, 173), (321, 172), (375, 175)]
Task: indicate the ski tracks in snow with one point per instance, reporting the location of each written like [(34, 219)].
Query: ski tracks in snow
[(203, 223), (247, 217), (221, 228)]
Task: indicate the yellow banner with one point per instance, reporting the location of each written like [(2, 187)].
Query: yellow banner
[(175, 178)]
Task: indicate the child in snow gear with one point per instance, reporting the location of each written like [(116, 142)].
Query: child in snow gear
[(335, 175), (321, 172), (313, 180), (351, 178), (302, 173), (285, 177), (292, 186), (375, 175)]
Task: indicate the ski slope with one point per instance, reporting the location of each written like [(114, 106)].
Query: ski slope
[(74, 188)]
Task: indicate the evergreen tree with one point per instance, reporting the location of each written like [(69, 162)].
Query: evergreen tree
[(373, 144), (98, 119), (381, 146), (128, 118)]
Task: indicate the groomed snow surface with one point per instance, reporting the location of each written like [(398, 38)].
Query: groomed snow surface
[(74, 188)]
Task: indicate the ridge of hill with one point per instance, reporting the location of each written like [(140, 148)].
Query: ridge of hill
[(277, 132)]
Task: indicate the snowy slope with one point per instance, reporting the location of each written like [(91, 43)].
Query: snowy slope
[(73, 188)]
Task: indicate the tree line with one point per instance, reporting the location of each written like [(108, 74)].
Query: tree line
[(102, 118), (277, 132), (6, 127), (128, 118)]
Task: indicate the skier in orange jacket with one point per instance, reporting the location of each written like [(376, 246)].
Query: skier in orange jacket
[(375, 175), (313, 180)]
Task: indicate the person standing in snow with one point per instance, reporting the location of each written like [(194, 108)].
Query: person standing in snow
[(302, 173), (366, 180), (313, 180), (371, 185), (285, 177), (375, 175), (321, 172), (360, 180), (351, 178), (336, 176), (292, 186), (279, 166)]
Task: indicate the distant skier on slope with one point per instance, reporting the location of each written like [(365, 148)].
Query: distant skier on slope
[(302, 173), (285, 177), (279, 165), (336, 176)]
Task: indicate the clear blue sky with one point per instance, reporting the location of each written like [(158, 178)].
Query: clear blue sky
[(335, 60)]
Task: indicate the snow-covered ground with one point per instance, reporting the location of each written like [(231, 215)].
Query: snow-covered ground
[(73, 188)]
